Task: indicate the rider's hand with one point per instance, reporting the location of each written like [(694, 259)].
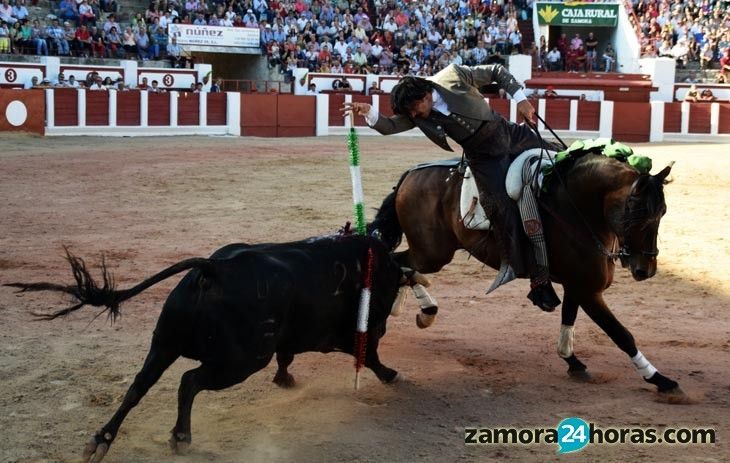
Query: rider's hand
[(359, 109), (525, 109)]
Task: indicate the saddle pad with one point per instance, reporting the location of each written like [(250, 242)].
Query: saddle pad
[(472, 212), (518, 175)]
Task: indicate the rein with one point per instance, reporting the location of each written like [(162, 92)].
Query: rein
[(612, 254)]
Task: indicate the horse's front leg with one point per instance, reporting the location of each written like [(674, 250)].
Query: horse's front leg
[(599, 312), (576, 368)]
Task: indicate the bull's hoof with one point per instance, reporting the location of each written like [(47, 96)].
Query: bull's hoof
[(675, 396), (95, 450), (424, 321), (286, 381), (580, 375), (180, 443)]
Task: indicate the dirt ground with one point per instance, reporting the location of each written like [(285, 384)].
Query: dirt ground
[(489, 361)]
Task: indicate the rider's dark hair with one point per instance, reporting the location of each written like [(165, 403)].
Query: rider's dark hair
[(409, 90)]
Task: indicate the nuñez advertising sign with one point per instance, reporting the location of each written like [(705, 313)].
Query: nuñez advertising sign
[(578, 14)]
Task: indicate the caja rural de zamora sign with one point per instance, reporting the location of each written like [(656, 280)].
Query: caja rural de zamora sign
[(578, 14)]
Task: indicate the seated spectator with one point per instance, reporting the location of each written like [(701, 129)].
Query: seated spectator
[(174, 54), (82, 41), (98, 83), (155, 88), (707, 95), (129, 44), (6, 14), (143, 85), (67, 10), (60, 81), (217, 86), (550, 92), (58, 38), (72, 82), (554, 60), (609, 58), (692, 94), (113, 43), (38, 38), (312, 89), (142, 41), (724, 66), (374, 89), (86, 13), (20, 12), (198, 87), (706, 56), (32, 83)]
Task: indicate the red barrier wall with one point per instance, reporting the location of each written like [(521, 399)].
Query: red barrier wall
[(589, 115), (335, 115), (158, 109), (673, 117), (384, 105), (557, 113), (128, 107), (699, 118), (66, 107), (97, 108), (258, 115), (296, 116), (188, 108), (631, 121), (34, 102), (724, 118), (217, 108)]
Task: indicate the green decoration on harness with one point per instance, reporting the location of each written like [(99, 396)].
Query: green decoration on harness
[(640, 163), (606, 146)]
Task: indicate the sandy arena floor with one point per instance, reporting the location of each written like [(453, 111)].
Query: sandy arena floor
[(488, 361)]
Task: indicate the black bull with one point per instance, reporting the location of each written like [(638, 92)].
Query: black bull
[(234, 310)]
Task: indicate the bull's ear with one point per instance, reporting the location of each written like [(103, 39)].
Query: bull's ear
[(662, 176)]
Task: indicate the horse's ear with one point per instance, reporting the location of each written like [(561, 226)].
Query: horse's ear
[(662, 176)]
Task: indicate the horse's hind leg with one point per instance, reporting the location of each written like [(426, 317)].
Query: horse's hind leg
[(576, 368), (158, 360), (599, 312)]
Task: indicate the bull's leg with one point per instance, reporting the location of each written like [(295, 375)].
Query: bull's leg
[(205, 378), (599, 312), (283, 378), (372, 361), (157, 361), (576, 368)]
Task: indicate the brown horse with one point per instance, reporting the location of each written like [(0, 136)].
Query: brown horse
[(603, 210)]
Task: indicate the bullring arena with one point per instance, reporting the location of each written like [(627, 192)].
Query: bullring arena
[(488, 361)]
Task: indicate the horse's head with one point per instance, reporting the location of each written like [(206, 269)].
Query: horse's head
[(643, 210)]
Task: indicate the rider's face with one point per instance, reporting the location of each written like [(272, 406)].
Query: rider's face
[(421, 108)]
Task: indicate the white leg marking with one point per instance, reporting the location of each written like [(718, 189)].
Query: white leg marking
[(643, 366), (565, 341)]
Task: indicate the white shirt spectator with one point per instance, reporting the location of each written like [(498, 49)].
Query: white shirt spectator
[(553, 55), (20, 11)]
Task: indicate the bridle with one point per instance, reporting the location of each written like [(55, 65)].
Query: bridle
[(620, 248)]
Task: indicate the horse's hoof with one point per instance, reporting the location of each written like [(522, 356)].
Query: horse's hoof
[(675, 396), (424, 321), (285, 381), (180, 443), (396, 379), (580, 375)]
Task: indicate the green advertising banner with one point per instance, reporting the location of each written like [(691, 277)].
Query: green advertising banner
[(578, 14)]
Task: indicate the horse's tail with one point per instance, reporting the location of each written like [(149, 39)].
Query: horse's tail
[(386, 223), (86, 291)]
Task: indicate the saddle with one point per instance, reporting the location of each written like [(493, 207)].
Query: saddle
[(521, 173)]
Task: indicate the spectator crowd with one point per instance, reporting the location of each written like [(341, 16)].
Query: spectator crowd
[(364, 36), (688, 31)]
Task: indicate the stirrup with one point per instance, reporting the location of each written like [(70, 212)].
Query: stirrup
[(505, 275)]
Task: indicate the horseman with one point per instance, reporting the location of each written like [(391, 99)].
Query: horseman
[(449, 103)]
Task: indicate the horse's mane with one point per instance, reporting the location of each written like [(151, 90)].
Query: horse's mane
[(647, 197)]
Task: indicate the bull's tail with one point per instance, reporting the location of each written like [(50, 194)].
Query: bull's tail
[(386, 224), (87, 291)]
